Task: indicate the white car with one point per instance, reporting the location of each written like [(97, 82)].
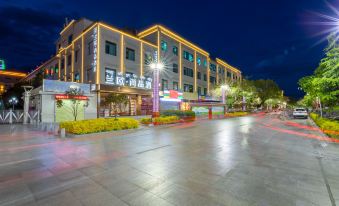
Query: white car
[(300, 113)]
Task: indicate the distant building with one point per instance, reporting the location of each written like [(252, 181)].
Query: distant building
[(8, 78), (117, 61)]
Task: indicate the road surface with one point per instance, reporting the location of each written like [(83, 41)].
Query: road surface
[(252, 160)]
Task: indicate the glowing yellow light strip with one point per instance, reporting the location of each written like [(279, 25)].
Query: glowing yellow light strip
[(148, 31), (122, 53), (64, 29), (65, 66), (16, 74), (98, 57), (59, 68), (141, 59), (173, 35), (180, 67), (125, 34), (82, 58), (227, 65), (217, 74), (72, 68), (195, 71), (208, 75)]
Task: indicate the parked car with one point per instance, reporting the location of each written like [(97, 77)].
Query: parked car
[(300, 113)]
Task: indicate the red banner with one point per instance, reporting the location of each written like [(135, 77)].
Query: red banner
[(65, 96)]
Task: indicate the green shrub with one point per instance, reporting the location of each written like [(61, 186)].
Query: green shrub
[(178, 113), (166, 120), (236, 114), (99, 125), (330, 127), (146, 120)]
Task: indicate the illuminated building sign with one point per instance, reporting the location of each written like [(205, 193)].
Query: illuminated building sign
[(65, 96), (130, 80), (2, 64), (171, 95), (95, 46)]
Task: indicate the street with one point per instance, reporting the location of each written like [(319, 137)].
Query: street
[(253, 160)]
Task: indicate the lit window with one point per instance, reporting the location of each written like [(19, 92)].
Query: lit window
[(205, 63), (199, 61), (175, 86), (188, 56), (164, 84), (163, 45), (175, 50)]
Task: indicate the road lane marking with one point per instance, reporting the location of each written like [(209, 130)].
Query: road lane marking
[(153, 149)]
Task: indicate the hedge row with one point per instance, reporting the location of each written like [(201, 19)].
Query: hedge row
[(236, 114), (161, 120), (329, 127), (99, 125), (178, 113)]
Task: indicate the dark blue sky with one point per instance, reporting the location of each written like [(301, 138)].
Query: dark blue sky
[(264, 38)]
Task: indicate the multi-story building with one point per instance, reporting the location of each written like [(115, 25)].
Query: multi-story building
[(114, 60), (8, 78)]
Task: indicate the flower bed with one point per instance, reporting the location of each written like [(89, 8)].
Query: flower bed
[(99, 125), (161, 120), (236, 114), (178, 113), (329, 127)]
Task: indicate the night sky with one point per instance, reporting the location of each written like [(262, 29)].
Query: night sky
[(264, 38)]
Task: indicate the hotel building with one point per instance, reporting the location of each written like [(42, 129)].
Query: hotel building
[(112, 60)]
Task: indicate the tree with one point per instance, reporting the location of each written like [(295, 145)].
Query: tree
[(324, 83), (73, 94), (267, 89), (116, 101)]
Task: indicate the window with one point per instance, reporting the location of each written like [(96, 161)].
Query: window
[(69, 60), (175, 86), (199, 75), (148, 58), (70, 39), (111, 48), (188, 72), (229, 74), (213, 67), (163, 45), (77, 77), (205, 77), (88, 74), (76, 55), (205, 91), (212, 80), (56, 69), (130, 54), (205, 63), (199, 61), (199, 91), (188, 88), (175, 68), (164, 84), (63, 63), (175, 50), (89, 48), (110, 75), (188, 56)]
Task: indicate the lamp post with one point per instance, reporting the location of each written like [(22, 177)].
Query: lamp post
[(13, 101), (156, 66)]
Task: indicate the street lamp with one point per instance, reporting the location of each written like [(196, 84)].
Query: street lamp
[(13, 101), (156, 66)]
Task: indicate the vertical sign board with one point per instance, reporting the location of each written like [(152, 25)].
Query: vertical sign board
[(2, 64)]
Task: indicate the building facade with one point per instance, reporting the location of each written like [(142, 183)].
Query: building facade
[(117, 61)]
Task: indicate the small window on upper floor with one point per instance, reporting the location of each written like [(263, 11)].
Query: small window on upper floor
[(163, 45), (205, 63), (130, 54), (69, 60), (175, 68), (175, 50), (111, 48), (89, 47), (76, 54), (199, 61), (70, 39)]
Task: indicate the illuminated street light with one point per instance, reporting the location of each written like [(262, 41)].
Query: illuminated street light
[(156, 66), (224, 89), (13, 101)]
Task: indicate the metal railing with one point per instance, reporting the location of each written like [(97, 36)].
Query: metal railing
[(17, 116)]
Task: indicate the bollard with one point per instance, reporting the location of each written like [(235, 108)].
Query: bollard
[(62, 133)]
